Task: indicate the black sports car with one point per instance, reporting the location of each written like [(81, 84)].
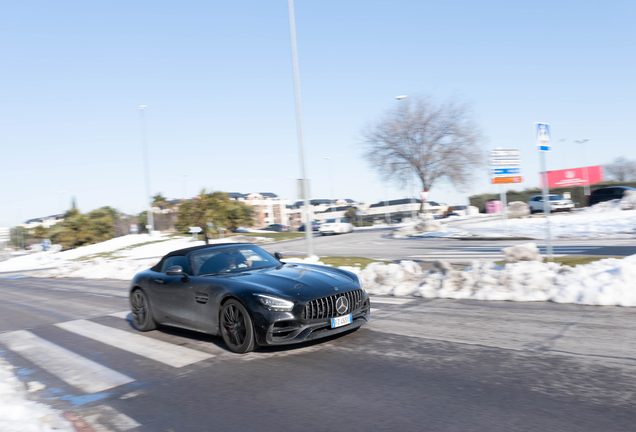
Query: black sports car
[(247, 296)]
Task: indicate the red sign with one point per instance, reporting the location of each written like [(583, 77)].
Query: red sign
[(575, 176), (502, 180)]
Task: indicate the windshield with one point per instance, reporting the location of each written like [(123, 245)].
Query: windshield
[(555, 198), (230, 259), (331, 221)]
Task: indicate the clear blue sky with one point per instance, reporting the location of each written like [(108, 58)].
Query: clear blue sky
[(217, 79)]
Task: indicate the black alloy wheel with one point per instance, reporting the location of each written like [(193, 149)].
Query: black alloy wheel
[(141, 314), (236, 327)]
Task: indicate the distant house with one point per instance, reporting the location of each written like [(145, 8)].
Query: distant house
[(46, 222)]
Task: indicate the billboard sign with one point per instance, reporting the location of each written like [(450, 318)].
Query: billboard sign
[(504, 180), (504, 171), (504, 162), (575, 176), (503, 153)]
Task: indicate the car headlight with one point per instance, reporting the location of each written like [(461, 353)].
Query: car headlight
[(274, 303)]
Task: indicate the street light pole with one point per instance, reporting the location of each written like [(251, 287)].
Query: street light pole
[(299, 118), (586, 186), (144, 146), (330, 181), (59, 200)]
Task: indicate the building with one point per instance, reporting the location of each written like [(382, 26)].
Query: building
[(45, 222), (269, 208)]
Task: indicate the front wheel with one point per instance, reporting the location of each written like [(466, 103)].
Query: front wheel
[(141, 313), (237, 328)]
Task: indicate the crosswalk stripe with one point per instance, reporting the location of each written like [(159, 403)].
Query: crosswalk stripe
[(78, 371), (374, 310), (123, 314), (164, 352), (390, 300)]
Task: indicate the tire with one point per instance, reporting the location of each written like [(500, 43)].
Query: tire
[(237, 328), (141, 313)]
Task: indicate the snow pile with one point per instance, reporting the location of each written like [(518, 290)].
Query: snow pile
[(417, 227), (608, 282), (518, 208), (522, 252), (17, 413), (628, 202)]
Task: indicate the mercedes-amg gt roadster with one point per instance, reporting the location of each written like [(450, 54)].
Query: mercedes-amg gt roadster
[(247, 296)]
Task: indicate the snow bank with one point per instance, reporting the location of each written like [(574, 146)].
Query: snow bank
[(608, 282), (19, 414), (119, 258)]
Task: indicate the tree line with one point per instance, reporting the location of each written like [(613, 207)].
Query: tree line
[(213, 212)]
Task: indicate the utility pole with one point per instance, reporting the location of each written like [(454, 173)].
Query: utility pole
[(299, 117), (144, 146)]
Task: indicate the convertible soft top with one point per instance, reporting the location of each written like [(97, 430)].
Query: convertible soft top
[(183, 252)]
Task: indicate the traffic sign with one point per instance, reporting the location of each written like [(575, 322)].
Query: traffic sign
[(504, 153), (542, 136), (504, 162), (502, 180), (195, 230), (504, 171)]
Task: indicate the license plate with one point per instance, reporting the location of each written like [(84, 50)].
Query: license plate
[(340, 321)]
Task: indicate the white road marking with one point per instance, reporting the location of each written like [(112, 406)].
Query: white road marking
[(390, 300), (123, 314), (164, 352), (78, 371), (374, 310), (121, 421)]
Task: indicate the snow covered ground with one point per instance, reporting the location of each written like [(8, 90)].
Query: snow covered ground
[(18, 413), (118, 258), (613, 219)]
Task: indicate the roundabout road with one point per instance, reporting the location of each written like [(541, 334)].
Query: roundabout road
[(419, 365), (375, 244)]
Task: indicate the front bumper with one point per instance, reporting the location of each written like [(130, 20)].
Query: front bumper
[(284, 328)]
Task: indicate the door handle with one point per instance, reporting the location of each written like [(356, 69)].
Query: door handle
[(159, 281)]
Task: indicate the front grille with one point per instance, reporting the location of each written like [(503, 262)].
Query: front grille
[(326, 307)]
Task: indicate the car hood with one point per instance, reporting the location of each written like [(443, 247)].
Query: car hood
[(297, 281)]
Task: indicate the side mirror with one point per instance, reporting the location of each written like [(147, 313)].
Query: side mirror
[(177, 271), (278, 255)]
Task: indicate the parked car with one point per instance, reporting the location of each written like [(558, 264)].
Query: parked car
[(277, 227), (557, 203), (608, 194), (271, 303), (335, 226), (315, 226)]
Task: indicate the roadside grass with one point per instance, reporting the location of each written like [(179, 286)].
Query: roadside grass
[(346, 261), (277, 236), (573, 261)]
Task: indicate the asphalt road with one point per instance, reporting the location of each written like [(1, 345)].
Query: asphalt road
[(434, 365), (375, 243)]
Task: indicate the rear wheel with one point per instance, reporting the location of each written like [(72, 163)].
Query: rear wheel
[(237, 328), (141, 313)]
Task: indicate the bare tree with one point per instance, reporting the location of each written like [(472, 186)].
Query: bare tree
[(433, 142), (621, 169)]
